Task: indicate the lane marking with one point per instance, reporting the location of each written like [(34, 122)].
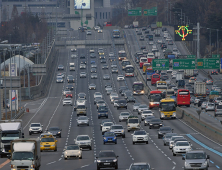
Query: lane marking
[(5, 163), (51, 163)]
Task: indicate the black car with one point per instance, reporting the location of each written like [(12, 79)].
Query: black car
[(164, 29), (143, 47), (107, 159), (130, 99), (201, 101), (147, 32), (121, 88), (181, 83), (55, 131), (70, 79), (214, 72), (143, 28), (82, 56), (163, 46), (155, 123), (92, 55), (163, 130), (70, 87), (121, 104)]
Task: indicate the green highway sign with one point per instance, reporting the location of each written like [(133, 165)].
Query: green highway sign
[(134, 12), (215, 55), (191, 56), (183, 64), (150, 12), (208, 63), (145, 12), (160, 64)]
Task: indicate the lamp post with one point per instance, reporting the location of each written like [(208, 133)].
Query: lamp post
[(210, 39), (180, 15)]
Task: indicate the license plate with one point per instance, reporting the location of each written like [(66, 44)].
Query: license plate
[(22, 169), (106, 163), (35, 132), (110, 139), (183, 102), (133, 127), (47, 148)]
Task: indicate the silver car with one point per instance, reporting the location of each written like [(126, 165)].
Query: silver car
[(82, 120), (167, 137), (142, 107), (67, 101), (94, 76), (203, 106), (81, 66), (210, 107), (106, 77), (118, 130), (123, 116), (82, 75), (92, 86), (84, 141), (136, 106)]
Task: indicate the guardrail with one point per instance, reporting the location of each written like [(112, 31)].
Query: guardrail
[(21, 111)]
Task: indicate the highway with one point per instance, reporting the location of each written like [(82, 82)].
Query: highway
[(50, 112)]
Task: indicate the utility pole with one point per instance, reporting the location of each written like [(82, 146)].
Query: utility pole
[(198, 40), (29, 83), (167, 13), (217, 43)]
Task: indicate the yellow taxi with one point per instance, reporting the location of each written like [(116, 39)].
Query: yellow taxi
[(48, 142)]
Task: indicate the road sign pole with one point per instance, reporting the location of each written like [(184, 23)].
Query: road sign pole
[(198, 40)]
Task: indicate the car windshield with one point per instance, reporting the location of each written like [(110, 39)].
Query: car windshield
[(211, 104), (108, 124), (139, 133), (136, 104), (182, 144), (133, 121), (168, 106), (155, 120), (103, 109), (82, 138), (81, 107), (195, 156), (10, 134), (72, 147), (109, 134), (124, 114), (54, 129), (122, 101), (83, 118), (47, 140), (143, 106), (149, 117), (22, 156), (116, 127), (107, 154), (35, 125), (140, 167), (101, 101)]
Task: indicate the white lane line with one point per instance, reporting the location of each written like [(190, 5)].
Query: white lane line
[(84, 166), (51, 163)]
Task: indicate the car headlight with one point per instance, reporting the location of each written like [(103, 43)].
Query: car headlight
[(205, 163), (174, 114), (114, 160), (104, 138), (186, 164), (66, 152), (122, 131), (114, 138), (98, 160), (59, 132)]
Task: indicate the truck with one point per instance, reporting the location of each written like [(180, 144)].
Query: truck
[(200, 89), (153, 26), (135, 24), (157, 54), (157, 32), (9, 130), (150, 57), (179, 76), (72, 66), (25, 154), (171, 57), (188, 73)]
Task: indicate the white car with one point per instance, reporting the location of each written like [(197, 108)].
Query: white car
[(91, 50), (151, 43), (88, 32), (108, 89), (120, 77), (98, 94), (142, 107), (159, 41), (168, 39), (112, 95), (96, 28), (92, 86), (35, 128), (169, 71), (111, 54), (145, 114), (140, 136), (83, 141), (123, 116), (81, 66), (106, 127), (67, 101), (82, 75), (66, 91), (72, 151), (136, 106), (73, 56), (100, 31), (181, 147)]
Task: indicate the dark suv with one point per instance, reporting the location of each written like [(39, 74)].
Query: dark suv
[(107, 159), (122, 103)]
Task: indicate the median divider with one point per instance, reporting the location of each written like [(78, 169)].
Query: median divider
[(210, 131)]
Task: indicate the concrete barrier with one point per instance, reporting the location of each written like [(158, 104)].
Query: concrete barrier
[(211, 132)]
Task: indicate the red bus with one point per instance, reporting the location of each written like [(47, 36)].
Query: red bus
[(183, 97), (154, 79), (142, 61), (108, 24), (154, 98)]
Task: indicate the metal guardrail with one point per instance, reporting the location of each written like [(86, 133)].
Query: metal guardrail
[(19, 113)]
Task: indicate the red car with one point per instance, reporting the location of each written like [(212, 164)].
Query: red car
[(68, 94), (214, 72)]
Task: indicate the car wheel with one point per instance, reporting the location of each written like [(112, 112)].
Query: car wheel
[(147, 142), (117, 108), (158, 137), (87, 124), (123, 136), (133, 143), (215, 115), (90, 148), (174, 154), (77, 124), (144, 124), (98, 168), (116, 142), (104, 143), (164, 144), (98, 117), (80, 157), (150, 128), (30, 133), (55, 150), (205, 110), (126, 107), (119, 120)]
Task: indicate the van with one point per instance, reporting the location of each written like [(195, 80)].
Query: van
[(133, 123), (218, 110), (154, 79)]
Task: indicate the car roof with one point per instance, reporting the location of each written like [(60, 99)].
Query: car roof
[(106, 151), (140, 163), (196, 151)]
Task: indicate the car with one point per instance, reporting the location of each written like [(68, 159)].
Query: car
[(218, 110), (145, 51), (93, 70), (118, 130), (142, 107), (112, 95), (167, 137), (92, 86), (59, 79), (103, 61), (148, 119), (69, 94), (170, 42), (105, 66), (114, 70), (123, 116), (92, 55), (82, 74), (150, 42), (83, 141), (82, 95), (82, 56), (130, 99), (147, 32), (94, 76), (93, 66), (100, 31), (107, 159), (82, 120), (146, 113), (181, 147), (97, 94), (136, 106), (168, 38), (100, 50), (100, 103), (83, 62), (121, 103), (104, 121), (55, 131), (203, 105), (163, 130), (192, 80), (196, 157), (141, 38), (109, 137), (210, 107), (65, 91), (159, 41), (88, 32), (73, 50), (102, 57), (35, 128), (140, 166), (155, 123), (139, 33), (60, 67), (108, 88), (92, 50), (218, 89), (120, 78), (107, 84), (106, 127), (82, 66), (96, 28), (67, 101), (96, 99), (111, 54), (71, 151), (173, 138), (115, 102), (140, 136), (209, 82), (122, 88), (102, 110), (47, 143), (106, 77), (61, 75), (214, 72)]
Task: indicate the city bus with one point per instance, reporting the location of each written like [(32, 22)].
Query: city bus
[(149, 73), (142, 61), (183, 97), (138, 87), (116, 34), (161, 85), (125, 63), (122, 55), (167, 108), (154, 79), (169, 93), (129, 71), (154, 98)]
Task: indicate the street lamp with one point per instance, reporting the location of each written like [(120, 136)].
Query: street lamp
[(210, 39), (180, 14)]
